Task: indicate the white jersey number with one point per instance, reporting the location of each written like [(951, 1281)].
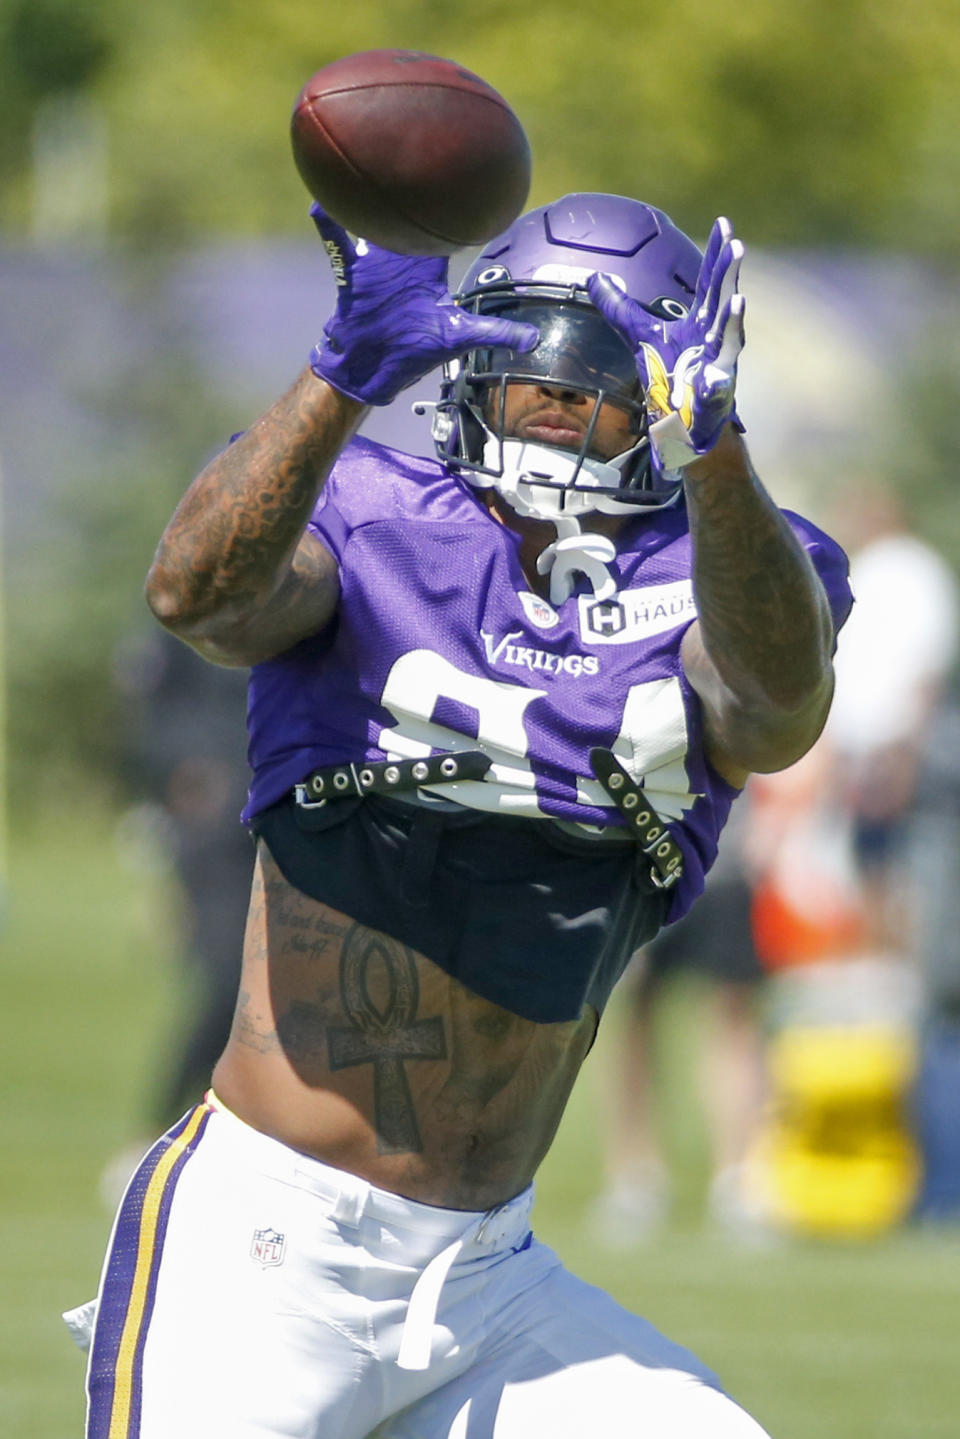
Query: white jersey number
[(651, 744)]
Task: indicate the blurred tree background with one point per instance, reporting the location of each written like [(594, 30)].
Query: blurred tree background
[(135, 135), (820, 122)]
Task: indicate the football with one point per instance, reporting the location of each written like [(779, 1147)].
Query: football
[(410, 151)]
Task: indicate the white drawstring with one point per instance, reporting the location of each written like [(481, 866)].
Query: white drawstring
[(417, 1338)]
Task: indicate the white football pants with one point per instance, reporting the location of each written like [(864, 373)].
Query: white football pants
[(250, 1292)]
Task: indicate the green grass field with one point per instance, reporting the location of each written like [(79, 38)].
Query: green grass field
[(819, 1341)]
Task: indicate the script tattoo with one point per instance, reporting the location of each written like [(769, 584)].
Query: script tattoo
[(386, 1035)]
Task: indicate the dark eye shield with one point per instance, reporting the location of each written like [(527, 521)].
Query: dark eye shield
[(577, 347)]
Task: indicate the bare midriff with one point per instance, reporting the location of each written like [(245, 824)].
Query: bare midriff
[(349, 1046)]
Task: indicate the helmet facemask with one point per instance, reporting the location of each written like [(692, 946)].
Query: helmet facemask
[(578, 352), (537, 270)]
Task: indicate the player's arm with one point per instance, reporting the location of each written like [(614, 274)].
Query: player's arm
[(759, 653), (237, 575)]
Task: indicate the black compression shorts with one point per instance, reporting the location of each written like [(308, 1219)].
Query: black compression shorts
[(525, 915)]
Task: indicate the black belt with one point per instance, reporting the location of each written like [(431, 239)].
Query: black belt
[(389, 776), (648, 829), (393, 776)]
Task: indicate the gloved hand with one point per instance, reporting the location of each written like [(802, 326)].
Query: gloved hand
[(395, 319), (688, 367)]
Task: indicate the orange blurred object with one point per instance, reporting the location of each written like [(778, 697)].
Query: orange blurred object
[(831, 927)]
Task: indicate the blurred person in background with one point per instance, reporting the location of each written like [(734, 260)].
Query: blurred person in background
[(833, 1154), (855, 909), (933, 870), (185, 767), (895, 732), (714, 944), (893, 662)]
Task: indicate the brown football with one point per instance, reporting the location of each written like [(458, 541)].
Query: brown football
[(410, 151)]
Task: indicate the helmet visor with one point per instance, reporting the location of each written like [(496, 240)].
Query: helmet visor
[(577, 348)]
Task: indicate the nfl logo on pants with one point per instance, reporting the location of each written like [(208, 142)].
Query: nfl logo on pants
[(266, 1247)]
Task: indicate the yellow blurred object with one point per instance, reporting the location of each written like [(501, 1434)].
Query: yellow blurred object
[(836, 1156)]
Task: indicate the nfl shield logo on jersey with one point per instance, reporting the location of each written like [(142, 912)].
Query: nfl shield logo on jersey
[(267, 1247), (543, 615)]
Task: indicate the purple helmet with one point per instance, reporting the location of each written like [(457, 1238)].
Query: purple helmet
[(536, 271)]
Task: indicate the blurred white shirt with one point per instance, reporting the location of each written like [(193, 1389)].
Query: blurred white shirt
[(897, 646)]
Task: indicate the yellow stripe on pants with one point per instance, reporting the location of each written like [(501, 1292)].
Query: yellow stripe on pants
[(126, 1353)]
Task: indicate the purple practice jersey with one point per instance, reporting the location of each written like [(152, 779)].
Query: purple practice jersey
[(439, 645)]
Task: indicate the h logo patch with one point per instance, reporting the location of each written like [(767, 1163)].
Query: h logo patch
[(606, 617)]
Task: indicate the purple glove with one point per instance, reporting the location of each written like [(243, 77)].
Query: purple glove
[(395, 319), (688, 367)]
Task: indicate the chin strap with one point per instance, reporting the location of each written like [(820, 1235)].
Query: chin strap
[(573, 553), (537, 482)]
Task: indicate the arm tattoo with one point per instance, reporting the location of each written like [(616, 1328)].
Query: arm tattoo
[(762, 610), (231, 547), (381, 993)]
